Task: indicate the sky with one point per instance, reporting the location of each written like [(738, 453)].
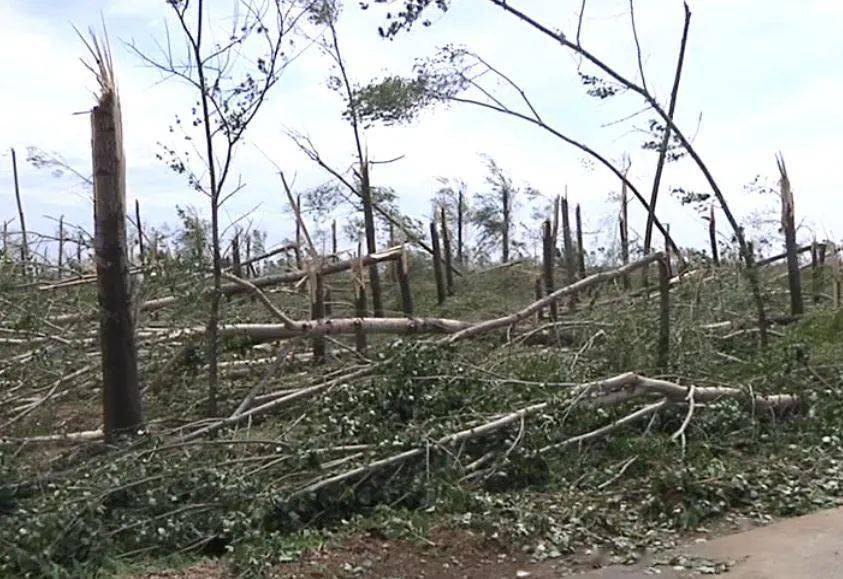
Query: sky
[(760, 77)]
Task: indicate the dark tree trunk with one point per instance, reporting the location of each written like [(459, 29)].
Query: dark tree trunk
[(236, 266), (121, 392), (624, 233), (360, 309), (61, 247)]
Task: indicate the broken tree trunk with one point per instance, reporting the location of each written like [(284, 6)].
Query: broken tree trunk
[(24, 245), (61, 247), (437, 264), (236, 266), (580, 247), (317, 314), (371, 239), (568, 244), (797, 305), (121, 393), (624, 233), (402, 270), (712, 237), (460, 257), (446, 243), (548, 251)]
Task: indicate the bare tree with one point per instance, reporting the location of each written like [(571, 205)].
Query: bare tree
[(231, 80)]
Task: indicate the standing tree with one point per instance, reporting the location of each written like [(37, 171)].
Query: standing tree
[(231, 80)]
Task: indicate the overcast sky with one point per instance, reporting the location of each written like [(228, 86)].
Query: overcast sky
[(761, 76)]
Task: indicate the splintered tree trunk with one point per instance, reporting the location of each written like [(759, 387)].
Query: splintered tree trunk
[(437, 264), (79, 251), (24, 246), (403, 274), (568, 243), (712, 237), (121, 394), (460, 257), (836, 281), (580, 248), (797, 305), (446, 243), (371, 239), (547, 265), (236, 266), (624, 233)]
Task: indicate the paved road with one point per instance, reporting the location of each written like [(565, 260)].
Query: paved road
[(809, 547)]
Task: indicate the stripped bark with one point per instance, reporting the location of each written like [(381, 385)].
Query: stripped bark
[(712, 237), (548, 251), (446, 245)]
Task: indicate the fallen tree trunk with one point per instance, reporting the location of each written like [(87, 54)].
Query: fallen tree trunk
[(602, 393), (537, 305), (391, 254), (340, 326)]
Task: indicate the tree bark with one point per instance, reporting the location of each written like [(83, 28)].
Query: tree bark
[(121, 393), (568, 243), (371, 240), (663, 352), (403, 275), (139, 225), (460, 201)]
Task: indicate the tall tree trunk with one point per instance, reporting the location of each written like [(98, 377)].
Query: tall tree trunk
[(371, 238), (403, 274), (24, 246), (236, 266), (121, 393), (298, 234)]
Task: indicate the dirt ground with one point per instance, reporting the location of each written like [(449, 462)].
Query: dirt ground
[(808, 547)]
